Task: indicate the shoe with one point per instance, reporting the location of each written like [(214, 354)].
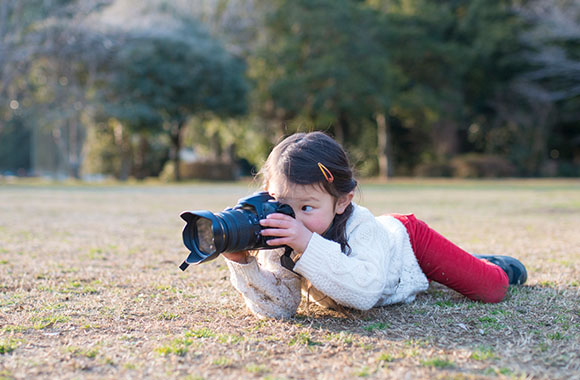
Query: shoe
[(515, 270)]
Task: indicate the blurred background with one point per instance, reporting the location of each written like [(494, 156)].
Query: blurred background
[(182, 89)]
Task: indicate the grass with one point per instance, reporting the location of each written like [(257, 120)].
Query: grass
[(177, 347), (8, 345), (90, 353), (483, 354), (90, 288), (303, 338), (437, 363), (377, 326)]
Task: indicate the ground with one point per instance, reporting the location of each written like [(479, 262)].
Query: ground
[(90, 289)]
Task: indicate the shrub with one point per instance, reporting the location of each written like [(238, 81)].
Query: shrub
[(474, 165), (206, 170), (434, 170), (212, 170)]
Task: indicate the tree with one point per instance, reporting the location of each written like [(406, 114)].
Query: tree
[(550, 88), (161, 78), (43, 74), (323, 64), (453, 58)]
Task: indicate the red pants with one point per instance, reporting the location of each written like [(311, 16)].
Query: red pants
[(444, 262)]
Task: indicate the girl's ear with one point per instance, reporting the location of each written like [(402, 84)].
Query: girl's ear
[(343, 202)]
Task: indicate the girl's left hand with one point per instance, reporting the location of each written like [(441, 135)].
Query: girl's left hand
[(287, 230)]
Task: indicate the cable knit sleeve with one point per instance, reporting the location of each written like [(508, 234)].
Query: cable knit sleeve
[(268, 289), (358, 280)]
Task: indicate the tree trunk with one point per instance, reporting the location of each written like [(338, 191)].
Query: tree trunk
[(384, 146), (216, 146), (76, 137), (445, 139), (175, 137), (341, 128), (141, 157), (123, 141), (538, 152), (445, 133)]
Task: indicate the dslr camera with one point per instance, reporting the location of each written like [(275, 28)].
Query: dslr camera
[(238, 228)]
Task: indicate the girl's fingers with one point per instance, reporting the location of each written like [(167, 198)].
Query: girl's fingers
[(279, 216), (279, 241), (274, 232), (275, 223)]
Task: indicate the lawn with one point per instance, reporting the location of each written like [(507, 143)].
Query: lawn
[(90, 288)]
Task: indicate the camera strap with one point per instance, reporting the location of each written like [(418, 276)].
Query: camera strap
[(286, 261)]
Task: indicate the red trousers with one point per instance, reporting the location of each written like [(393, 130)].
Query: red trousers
[(446, 263)]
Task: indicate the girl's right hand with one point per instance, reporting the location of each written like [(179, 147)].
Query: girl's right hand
[(239, 257)]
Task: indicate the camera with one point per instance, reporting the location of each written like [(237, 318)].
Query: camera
[(208, 234)]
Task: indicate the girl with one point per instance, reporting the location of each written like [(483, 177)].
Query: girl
[(343, 255)]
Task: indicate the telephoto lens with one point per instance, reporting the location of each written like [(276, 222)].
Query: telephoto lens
[(208, 234)]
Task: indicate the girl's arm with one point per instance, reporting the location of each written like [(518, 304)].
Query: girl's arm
[(239, 257), (268, 289), (357, 280)]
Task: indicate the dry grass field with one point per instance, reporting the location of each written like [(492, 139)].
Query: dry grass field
[(90, 289)]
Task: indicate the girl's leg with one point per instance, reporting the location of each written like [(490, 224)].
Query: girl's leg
[(448, 264)]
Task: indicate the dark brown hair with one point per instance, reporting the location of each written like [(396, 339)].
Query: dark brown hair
[(297, 158)]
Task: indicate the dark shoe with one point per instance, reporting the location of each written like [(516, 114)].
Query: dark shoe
[(515, 270)]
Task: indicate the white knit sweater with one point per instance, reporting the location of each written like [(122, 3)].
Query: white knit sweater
[(381, 269)]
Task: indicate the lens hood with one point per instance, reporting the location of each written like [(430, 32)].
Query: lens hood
[(196, 255)]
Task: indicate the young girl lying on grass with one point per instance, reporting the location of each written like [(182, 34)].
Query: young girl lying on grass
[(343, 254)]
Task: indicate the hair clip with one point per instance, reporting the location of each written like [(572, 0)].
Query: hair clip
[(326, 173)]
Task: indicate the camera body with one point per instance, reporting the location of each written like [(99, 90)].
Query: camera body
[(235, 229)]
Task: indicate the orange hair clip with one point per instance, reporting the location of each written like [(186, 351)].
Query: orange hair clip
[(326, 173)]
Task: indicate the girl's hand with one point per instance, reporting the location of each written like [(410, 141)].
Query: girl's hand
[(287, 231), (238, 257)]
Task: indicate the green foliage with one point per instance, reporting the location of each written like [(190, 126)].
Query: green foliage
[(225, 140), (167, 78), (324, 64), (15, 147), (113, 150), (159, 80), (457, 57), (498, 79), (43, 77), (431, 67)]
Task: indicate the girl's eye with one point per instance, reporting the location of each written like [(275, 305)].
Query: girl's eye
[(306, 208)]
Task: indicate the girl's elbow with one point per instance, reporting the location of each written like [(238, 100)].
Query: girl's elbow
[(280, 315), (363, 303), (364, 307), (283, 309), (273, 313)]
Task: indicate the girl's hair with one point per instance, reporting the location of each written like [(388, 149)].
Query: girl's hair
[(298, 156)]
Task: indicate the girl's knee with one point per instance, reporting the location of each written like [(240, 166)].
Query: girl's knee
[(497, 296), (494, 294), (406, 219)]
